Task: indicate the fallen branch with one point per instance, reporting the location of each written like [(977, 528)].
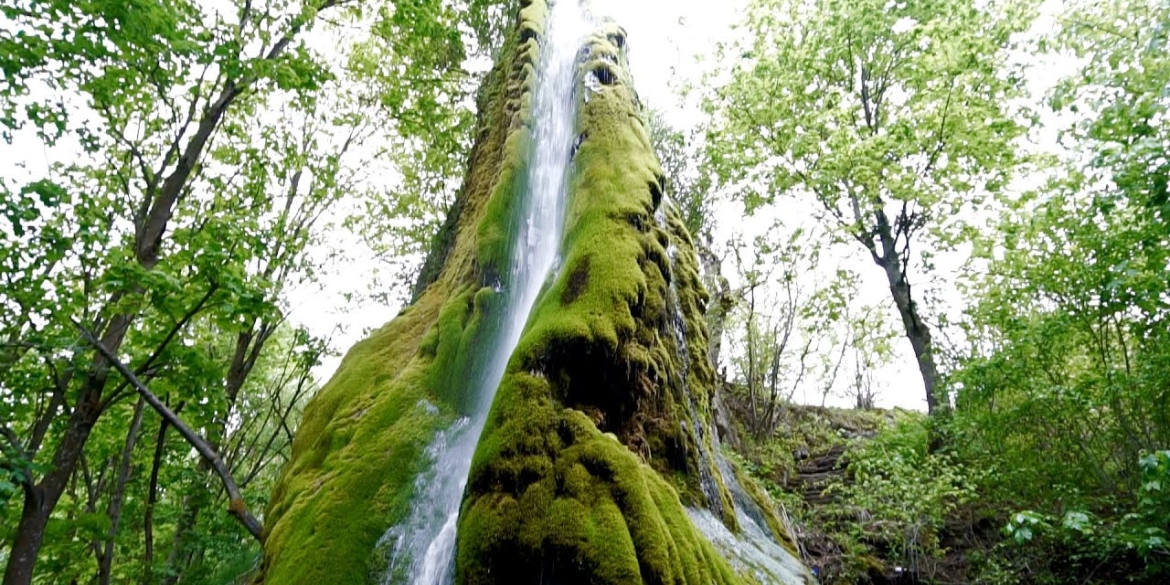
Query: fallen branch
[(236, 506)]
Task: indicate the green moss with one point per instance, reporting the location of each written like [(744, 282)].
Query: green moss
[(568, 482), (495, 238), (589, 455), (353, 463), (554, 498), (360, 444), (454, 342)]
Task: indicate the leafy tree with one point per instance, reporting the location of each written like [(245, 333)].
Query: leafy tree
[(1071, 323), (1071, 332), (892, 116), (1120, 94), (197, 149), (1063, 392)]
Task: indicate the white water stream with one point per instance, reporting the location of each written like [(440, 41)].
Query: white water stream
[(422, 547)]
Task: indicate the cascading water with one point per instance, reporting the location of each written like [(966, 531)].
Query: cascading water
[(422, 548), (679, 328), (754, 549)]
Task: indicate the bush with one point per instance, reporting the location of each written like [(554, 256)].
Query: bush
[(1132, 540), (901, 494)]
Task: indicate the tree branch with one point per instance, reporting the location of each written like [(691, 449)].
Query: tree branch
[(237, 507)]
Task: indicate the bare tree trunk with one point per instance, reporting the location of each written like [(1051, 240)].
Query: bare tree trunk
[(119, 495), (917, 332), (151, 500), (752, 382)]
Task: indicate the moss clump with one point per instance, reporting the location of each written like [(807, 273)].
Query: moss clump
[(354, 460), (595, 444), (553, 498), (601, 398), (361, 442)]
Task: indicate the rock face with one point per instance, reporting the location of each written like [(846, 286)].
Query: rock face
[(598, 449)]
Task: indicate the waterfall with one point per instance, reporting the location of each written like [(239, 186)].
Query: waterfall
[(422, 547), (678, 324), (754, 550)]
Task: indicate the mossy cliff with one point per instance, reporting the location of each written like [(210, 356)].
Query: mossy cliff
[(596, 441)]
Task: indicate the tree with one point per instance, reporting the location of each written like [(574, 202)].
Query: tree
[(893, 117), (1063, 390), (772, 347), (1069, 327), (195, 152), (1120, 95), (797, 325)]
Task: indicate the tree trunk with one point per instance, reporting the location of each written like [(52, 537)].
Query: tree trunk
[(893, 259), (151, 500), (916, 331), (40, 499), (118, 497)]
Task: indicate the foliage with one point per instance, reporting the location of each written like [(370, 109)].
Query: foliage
[(1120, 94), (1063, 391), (902, 495), (1068, 379), (1086, 540), (1062, 395), (864, 488), (195, 155), (805, 431), (893, 118)]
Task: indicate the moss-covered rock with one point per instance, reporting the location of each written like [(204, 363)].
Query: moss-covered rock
[(597, 441), (594, 447), (361, 442)]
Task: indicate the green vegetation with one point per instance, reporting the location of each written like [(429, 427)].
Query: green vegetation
[(906, 124), (186, 174)]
